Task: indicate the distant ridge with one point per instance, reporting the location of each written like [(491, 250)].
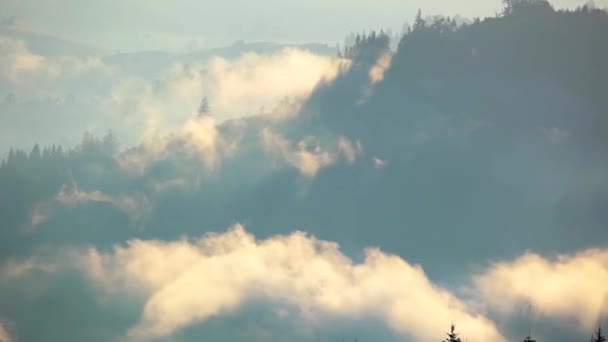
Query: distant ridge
[(149, 63), (45, 44)]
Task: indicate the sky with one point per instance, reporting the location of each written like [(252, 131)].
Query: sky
[(190, 24)]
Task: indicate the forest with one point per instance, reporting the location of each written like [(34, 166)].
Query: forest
[(483, 139)]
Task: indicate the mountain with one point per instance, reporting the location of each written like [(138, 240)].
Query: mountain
[(45, 44), (470, 145), (151, 64)]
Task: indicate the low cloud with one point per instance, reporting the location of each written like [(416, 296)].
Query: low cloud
[(252, 81), (308, 156), (569, 286), (16, 59), (19, 268), (376, 73), (199, 137), (378, 163), (139, 108), (31, 75), (349, 149), (188, 281), (134, 205), (233, 88)]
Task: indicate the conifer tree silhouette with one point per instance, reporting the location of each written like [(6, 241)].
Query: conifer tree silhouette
[(452, 335), (529, 338), (599, 336)]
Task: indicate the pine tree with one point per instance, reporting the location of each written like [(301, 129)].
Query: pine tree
[(35, 154), (11, 157), (599, 336), (452, 335), (109, 144), (528, 338), (419, 22)]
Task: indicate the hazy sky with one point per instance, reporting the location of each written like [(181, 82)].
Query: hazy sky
[(129, 25)]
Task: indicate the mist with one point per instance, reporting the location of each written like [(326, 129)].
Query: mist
[(302, 181)]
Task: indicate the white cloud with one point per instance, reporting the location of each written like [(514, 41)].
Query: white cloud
[(136, 108), (286, 108), (376, 73), (134, 205), (569, 286), (378, 163), (15, 59), (308, 156), (234, 88), (252, 81), (349, 149), (31, 75), (19, 268), (199, 136), (188, 281)]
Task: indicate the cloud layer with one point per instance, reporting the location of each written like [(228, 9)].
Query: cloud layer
[(134, 205), (569, 286), (189, 281), (185, 282), (139, 108)]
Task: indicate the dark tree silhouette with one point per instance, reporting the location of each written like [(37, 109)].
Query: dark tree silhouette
[(419, 22), (452, 335), (529, 339), (599, 336), (512, 6)]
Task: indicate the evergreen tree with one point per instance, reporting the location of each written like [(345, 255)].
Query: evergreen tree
[(10, 160), (109, 144), (35, 154), (512, 6), (529, 338), (599, 336), (419, 22), (452, 335)]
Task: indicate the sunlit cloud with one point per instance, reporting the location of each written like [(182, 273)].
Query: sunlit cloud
[(70, 195), (188, 281), (185, 282), (34, 76), (376, 73), (378, 163), (308, 156), (137, 108), (234, 88), (349, 149), (569, 286), (199, 137), (19, 268)]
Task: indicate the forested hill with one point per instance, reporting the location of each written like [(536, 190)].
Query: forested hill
[(530, 68), (471, 142)]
